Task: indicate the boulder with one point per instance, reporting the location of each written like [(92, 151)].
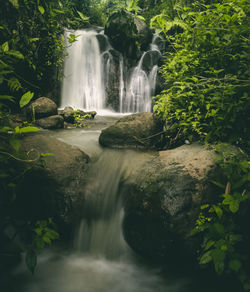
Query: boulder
[(43, 107), (52, 122), (53, 185), (131, 131), (162, 201), (125, 31), (68, 114)]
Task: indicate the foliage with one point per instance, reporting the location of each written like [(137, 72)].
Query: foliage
[(31, 55), (80, 119), (206, 72), (223, 224), (32, 41)]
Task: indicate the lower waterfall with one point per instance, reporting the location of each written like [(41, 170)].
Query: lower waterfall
[(100, 260)]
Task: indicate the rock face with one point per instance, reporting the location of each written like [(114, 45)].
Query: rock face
[(53, 187), (52, 122), (162, 201), (124, 31), (43, 107), (131, 131)]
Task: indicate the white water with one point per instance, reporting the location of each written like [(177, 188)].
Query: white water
[(83, 83), (87, 73)]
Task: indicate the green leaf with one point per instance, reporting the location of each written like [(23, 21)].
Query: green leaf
[(218, 211), (41, 9), (46, 154), (15, 143), (32, 40), (14, 3), (7, 97), (235, 265), (58, 11), (28, 130), (218, 256), (84, 18), (31, 260), (5, 129), (204, 206), (218, 184), (15, 54), (26, 98), (5, 47), (209, 244), (206, 258)]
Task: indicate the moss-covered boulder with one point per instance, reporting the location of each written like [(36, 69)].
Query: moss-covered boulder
[(162, 201), (136, 130), (41, 108), (50, 123)]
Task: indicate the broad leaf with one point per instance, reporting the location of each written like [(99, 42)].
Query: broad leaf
[(26, 98), (41, 9), (15, 54), (28, 130), (5, 47)]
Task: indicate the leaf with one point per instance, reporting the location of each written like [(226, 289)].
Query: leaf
[(58, 11), (41, 9), (7, 97), (204, 206), (209, 244), (218, 184), (33, 40), (31, 260), (15, 143), (84, 18), (206, 258), (14, 84), (235, 265), (28, 129), (14, 3), (218, 211), (26, 98), (15, 54), (46, 154), (218, 256), (5, 47), (5, 129)]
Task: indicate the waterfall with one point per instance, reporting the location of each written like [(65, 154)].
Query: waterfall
[(100, 233), (96, 80), (83, 83)]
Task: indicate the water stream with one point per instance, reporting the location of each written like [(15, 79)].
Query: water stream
[(100, 260)]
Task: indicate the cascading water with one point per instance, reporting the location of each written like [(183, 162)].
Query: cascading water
[(87, 74), (100, 261), (83, 83)]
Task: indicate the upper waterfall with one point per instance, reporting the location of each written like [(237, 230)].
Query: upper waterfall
[(83, 83), (96, 77)]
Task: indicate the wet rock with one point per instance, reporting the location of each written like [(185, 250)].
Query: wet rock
[(124, 31), (53, 186), (103, 42), (132, 131), (68, 114), (162, 201), (43, 107), (52, 122)]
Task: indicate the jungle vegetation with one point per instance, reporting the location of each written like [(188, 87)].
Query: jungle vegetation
[(205, 98)]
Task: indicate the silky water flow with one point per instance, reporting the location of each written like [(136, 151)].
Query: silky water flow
[(100, 260)]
